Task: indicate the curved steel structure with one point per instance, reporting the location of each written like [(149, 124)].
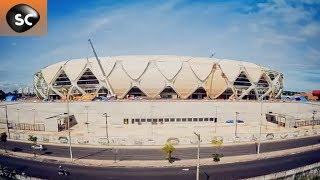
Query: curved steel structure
[(159, 76)]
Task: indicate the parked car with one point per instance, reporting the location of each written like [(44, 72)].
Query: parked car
[(38, 147), (240, 121), (233, 121), (230, 121)]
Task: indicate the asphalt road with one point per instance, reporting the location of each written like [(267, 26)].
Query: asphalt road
[(157, 154), (48, 170)]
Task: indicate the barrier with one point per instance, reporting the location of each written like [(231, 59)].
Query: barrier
[(305, 172)]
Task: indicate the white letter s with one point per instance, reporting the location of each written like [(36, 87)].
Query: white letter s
[(19, 19)]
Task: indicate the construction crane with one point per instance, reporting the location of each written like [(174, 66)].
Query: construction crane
[(103, 73)]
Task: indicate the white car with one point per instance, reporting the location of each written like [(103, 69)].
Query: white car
[(37, 147)]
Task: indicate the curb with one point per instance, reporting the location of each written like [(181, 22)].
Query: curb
[(161, 163)]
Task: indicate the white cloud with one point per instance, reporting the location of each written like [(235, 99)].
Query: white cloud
[(272, 36), (311, 30)]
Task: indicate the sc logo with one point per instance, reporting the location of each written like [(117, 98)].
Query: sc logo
[(22, 17)]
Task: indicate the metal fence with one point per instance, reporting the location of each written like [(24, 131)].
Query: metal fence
[(306, 123), (26, 126)]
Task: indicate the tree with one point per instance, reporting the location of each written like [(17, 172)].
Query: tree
[(3, 138), (34, 140), (217, 144), (2, 95), (15, 92), (6, 173), (168, 148)]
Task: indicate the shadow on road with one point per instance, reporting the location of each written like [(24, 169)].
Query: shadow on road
[(173, 159), (47, 153), (92, 154), (17, 149)]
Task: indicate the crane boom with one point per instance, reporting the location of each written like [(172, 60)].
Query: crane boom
[(103, 73)]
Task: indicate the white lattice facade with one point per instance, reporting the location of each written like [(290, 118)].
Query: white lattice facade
[(159, 77)]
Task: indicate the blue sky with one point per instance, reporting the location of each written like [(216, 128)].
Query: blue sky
[(280, 34)]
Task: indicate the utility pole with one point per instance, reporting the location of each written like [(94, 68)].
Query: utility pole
[(69, 132), (313, 114), (216, 120), (106, 115), (236, 130), (34, 117), (115, 152), (266, 120), (198, 157), (7, 121), (259, 140), (18, 116), (87, 122)]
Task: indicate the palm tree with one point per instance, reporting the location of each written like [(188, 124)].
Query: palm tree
[(168, 148), (3, 138), (33, 139), (217, 144)]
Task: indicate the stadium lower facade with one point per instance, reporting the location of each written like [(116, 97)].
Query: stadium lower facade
[(157, 77)]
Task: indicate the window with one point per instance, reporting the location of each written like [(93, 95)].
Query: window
[(200, 119), (166, 120), (137, 120), (132, 121), (195, 119), (184, 119), (148, 120), (154, 120), (178, 119), (171, 119), (211, 119), (125, 121), (160, 120), (143, 120), (189, 119), (206, 119)]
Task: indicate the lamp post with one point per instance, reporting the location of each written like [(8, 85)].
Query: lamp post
[(34, 117), (198, 156), (107, 134), (18, 117), (259, 140), (69, 132), (313, 114), (236, 130), (7, 121), (266, 120), (216, 120), (87, 122)]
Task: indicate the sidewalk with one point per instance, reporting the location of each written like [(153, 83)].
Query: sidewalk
[(158, 146), (160, 163)]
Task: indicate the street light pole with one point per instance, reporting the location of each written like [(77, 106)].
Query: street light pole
[(216, 120), (69, 132), (198, 157), (313, 122), (259, 141), (236, 130), (34, 117), (7, 121), (107, 134), (18, 118), (87, 123)]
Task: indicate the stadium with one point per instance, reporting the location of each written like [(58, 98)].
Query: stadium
[(153, 99), (157, 77)]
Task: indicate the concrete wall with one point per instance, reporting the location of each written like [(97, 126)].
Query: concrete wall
[(148, 134), (306, 172), (118, 110)]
